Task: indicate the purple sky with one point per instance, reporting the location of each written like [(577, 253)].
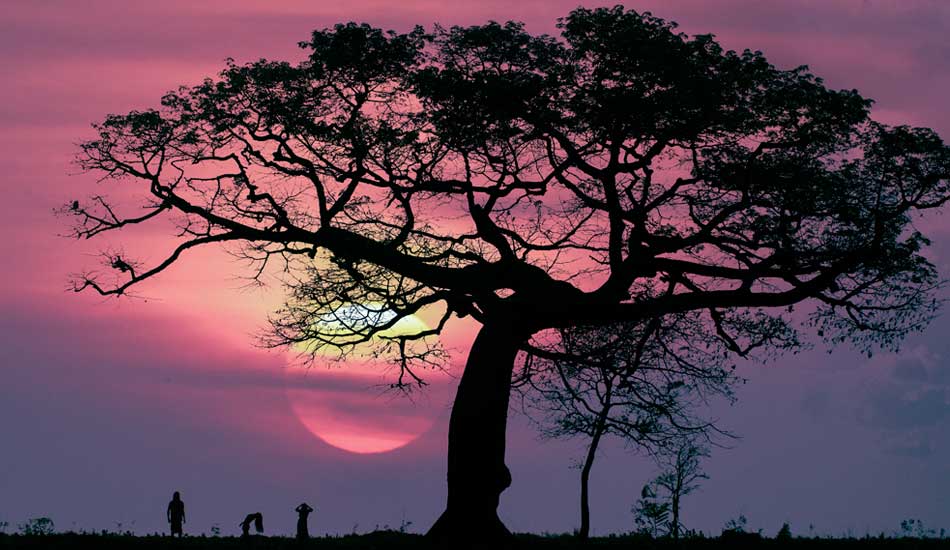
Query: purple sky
[(108, 407)]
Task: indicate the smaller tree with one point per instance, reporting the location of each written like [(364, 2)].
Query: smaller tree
[(681, 476), (646, 383)]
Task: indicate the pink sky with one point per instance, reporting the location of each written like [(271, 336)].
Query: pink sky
[(111, 406)]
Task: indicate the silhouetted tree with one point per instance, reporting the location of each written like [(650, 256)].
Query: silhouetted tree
[(681, 475), (621, 173), (645, 383)]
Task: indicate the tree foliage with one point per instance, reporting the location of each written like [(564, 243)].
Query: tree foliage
[(474, 167), (648, 383)]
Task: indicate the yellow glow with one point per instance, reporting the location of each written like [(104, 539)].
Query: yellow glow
[(341, 406), (406, 326), (361, 316)]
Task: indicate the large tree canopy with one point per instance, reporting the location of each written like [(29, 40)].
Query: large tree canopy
[(619, 173)]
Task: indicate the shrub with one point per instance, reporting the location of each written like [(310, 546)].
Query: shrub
[(37, 526)]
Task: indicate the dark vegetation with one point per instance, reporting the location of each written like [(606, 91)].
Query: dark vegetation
[(385, 540)]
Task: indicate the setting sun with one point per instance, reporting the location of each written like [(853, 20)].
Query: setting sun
[(348, 404)]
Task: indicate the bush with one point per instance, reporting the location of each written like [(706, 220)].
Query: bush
[(37, 526)]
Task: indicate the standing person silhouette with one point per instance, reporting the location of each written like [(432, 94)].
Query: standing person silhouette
[(176, 514), (302, 512)]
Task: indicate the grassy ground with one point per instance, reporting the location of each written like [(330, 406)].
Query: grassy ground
[(389, 540)]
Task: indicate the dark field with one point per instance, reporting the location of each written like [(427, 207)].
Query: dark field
[(394, 540)]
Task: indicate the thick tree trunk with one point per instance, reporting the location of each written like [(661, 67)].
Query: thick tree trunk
[(584, 532), (477, 474)]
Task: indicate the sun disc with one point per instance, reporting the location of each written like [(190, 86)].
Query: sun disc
[(343, 405)]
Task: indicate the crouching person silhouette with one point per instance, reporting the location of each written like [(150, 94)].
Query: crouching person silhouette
[(257, 519), (176, 514), (302, 512)]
